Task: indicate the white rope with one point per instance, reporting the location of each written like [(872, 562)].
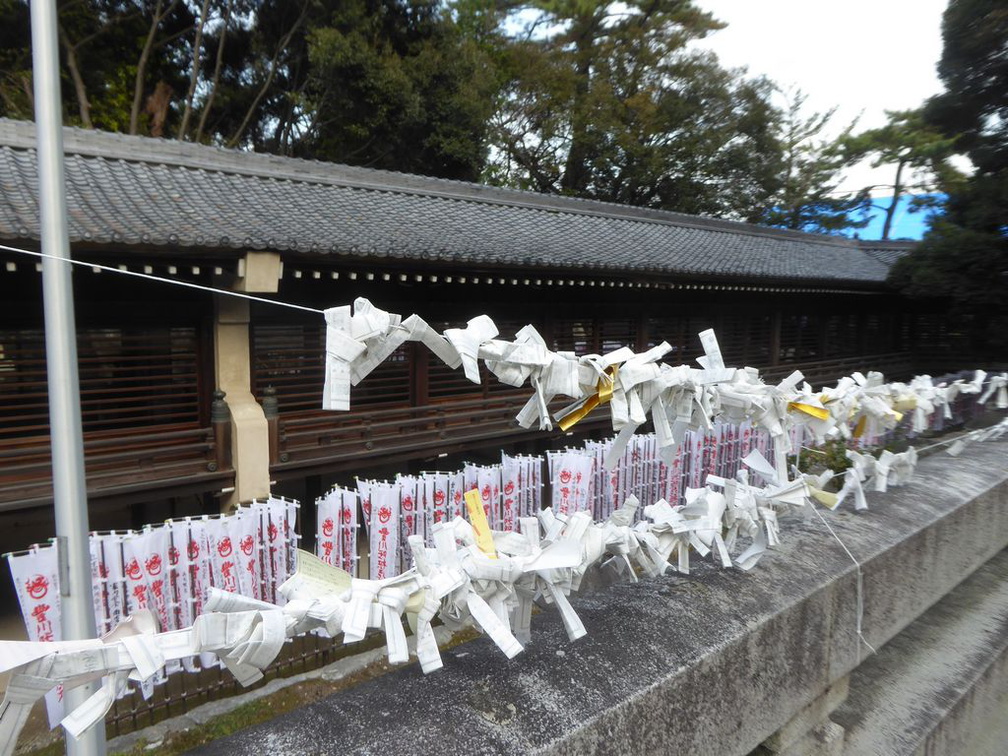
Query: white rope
[(953, 439), (173, 282), (860, 585)]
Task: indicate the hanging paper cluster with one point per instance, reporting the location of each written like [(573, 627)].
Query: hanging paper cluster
[(473, 575), (167, 570)]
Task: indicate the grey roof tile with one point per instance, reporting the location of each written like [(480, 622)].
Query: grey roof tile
[(887, 252), (132, 190)]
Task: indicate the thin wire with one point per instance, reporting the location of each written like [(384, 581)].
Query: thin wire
[(860, 585), (953, 439), (149, 277)]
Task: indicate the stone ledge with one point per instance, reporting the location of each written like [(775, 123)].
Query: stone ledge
[(936, 683), (712, 663)]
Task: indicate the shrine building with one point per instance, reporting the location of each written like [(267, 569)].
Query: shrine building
[(194, 401)]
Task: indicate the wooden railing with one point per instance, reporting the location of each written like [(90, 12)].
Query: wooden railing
[(378, 435), (141, 391), (176, 458), (334, 441), (895, 366), (117, 464)]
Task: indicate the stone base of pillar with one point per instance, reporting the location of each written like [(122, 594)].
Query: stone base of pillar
[(810, 732)]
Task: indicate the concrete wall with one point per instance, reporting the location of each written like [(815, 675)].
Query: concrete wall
[(724, 662)]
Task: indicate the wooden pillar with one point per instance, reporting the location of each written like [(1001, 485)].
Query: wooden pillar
[(220, 422), (249, 429), (862, 337), (250, 448), (643, 337), (775, 338), (420, 375), (271, 411)]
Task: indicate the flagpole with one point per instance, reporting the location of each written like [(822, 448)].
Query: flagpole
[(65, 429)]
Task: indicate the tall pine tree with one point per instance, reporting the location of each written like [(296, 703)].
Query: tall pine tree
[(609, 101)]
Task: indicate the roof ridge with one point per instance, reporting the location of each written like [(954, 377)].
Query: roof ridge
[(887, 243), (115, 146)]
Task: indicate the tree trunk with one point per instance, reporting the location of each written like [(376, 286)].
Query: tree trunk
[(83, 105), (157, 108), (281, 46), (891, 210), (218, 64), (194, 74), (575, 175), (138, 82), (233, 140)]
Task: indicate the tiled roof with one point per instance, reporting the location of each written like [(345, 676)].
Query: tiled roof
[(888, 252), (130, 191)]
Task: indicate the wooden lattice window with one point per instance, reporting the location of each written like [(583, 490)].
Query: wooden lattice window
[(669, 330), (574, 335), (291, 359), (617, 332), (130, 378), (842, 335), (800, 339)]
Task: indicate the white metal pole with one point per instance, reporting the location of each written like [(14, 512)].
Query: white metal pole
[(67, 438)]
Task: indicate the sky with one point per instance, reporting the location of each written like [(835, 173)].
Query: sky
[(862, 56)]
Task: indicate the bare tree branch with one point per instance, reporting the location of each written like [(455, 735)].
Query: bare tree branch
[(281, 46), (194, 73), (218, 64), (80, 90), (160, 13)]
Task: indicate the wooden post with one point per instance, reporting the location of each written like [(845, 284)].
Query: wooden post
[(420, 363), (233, 366), (271, 409), (643, 337), (775, 338)]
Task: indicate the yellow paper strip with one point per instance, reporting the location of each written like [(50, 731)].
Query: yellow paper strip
[(571, 419), (605, 387), (825, 498), (810, 409), (478, 520), (859, 428), (603, 394)]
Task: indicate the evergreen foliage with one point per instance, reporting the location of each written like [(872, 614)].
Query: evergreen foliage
[(588, 98), (964, 256)]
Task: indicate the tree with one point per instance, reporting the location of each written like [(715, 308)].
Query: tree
[(16, 99), (964, 256), (115, 60), (605, 100), (807, 196), (974, 69), (249, 67), (395, 84), (399, 84), (917, 150)]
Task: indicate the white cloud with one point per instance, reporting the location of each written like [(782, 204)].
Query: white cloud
[(862, 56)]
